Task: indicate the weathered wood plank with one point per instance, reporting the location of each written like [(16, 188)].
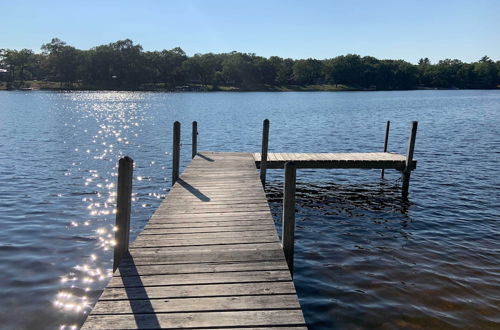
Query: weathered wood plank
[(197, 320), (208, 229), (207, 215), (213, 304), (203, 223), (207, 247), (201, 278), (208, 267), (199, 290), (142, 257), (264, 231), (200, 217), (153, 242)]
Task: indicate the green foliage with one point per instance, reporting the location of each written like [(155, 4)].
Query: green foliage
[(308, 72), (202, 68), (124, 65), (17, 62), (486, 72)]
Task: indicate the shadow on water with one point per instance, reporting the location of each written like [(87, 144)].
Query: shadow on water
[(201, 196), (144, 313), (334, 199)]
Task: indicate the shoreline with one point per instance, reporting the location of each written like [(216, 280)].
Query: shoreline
[(52, 86)]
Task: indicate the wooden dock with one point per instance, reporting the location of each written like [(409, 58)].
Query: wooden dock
[(209, 257)]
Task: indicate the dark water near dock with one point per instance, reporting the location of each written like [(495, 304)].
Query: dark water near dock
[(363, 259)]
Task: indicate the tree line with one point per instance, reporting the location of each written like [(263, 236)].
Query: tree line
[(125, 65)]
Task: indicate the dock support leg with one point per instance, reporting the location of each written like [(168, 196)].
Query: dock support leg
[(385, 143), (263, 155), (409, 160), (194, 144), (176, 150), (123, 207), (288, 226)]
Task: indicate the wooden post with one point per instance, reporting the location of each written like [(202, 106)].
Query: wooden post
[(176, 150), (194, 144), (263, 155), (409, 160), (385, 142), (288, 225), (123, 206)]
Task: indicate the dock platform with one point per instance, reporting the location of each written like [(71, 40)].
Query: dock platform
[(373, 160), (210, 257)]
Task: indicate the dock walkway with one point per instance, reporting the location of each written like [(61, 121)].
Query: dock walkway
[(209, 257)]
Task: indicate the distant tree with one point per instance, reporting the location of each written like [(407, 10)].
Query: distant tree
[(240, 70), (329, 71), (118, 64), (101, 68), (54, 46), (498, 75), (405, 75), (346, 69), (17, 61), (424, 61), (266, 69), (63, 61), (39, 67), (172, 66), (307, 72), (486, 73), (424, 72), (202, 67), (445, 74), (370, 76), (283, 69)]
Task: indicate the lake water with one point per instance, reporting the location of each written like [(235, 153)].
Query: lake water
[(364, 258)]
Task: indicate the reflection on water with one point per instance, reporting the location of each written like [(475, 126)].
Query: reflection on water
[(111, 120), (60, 212), (364, 258)]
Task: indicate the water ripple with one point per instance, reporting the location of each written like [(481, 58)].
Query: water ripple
[(364, 258)]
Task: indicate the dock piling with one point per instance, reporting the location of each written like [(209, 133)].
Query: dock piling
[(123, 207), (265, 144), (176, 150), (194, 144), (409, 160), (388, 126), (288, 229)]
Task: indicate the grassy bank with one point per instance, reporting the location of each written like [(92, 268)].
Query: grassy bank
[(160, 87), (51, 85)]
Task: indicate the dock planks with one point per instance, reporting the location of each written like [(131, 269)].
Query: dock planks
[(209, 257), (377, 160)]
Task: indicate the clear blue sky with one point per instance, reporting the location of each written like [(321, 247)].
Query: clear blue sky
[(402, 29)]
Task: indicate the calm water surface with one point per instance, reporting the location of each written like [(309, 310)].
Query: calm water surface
[(364, 258)]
